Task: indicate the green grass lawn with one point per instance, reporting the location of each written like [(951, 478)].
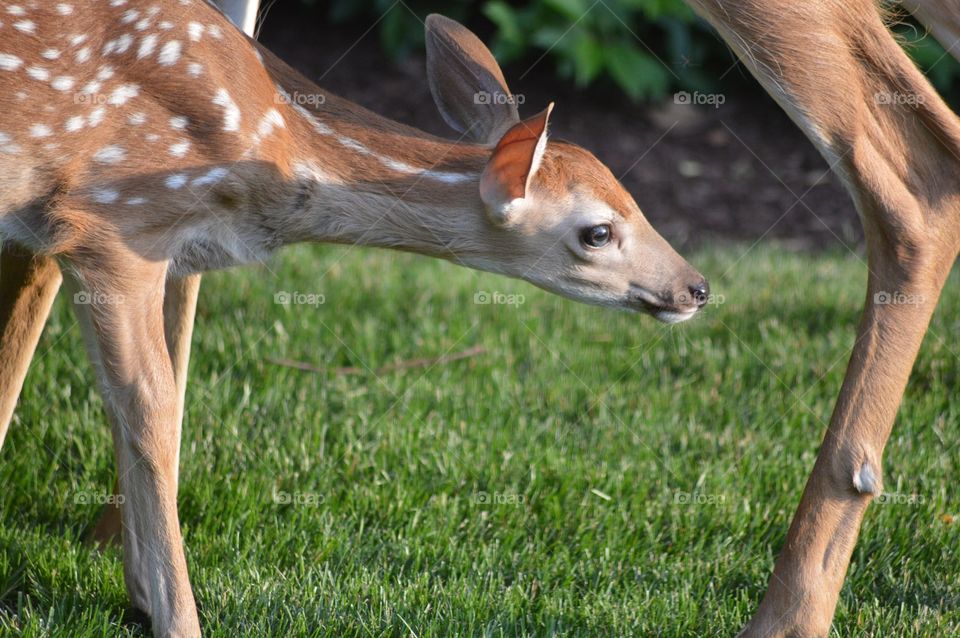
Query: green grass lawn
[(541, 488)]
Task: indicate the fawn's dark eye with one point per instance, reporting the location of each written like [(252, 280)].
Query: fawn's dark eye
[(596, 236)]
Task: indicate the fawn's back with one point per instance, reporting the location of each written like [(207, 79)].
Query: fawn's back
[(123, 116)]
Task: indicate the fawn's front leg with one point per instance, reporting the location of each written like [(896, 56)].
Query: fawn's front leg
[(179, 310), (124, 322), (28, 286), (839, 74)]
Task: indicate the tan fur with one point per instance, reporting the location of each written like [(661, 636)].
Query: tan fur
[(28, 286), (146, 143), (825, 62), (837, 71)]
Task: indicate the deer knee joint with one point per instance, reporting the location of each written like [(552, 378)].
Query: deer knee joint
[(866, 479), (861, 471)]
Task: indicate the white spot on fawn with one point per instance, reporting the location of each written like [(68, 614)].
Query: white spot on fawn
[(180, 148), (170, 53), (77, 40), (123, 94), (105, 196), (51, 54), (179, 122), (136, 119), (214, 31), (176, 181), (110, 155), (27, 26), (213, 176), (7, 146), (136, 201), (9, 62), (40, 130), (96, 116), (147, 45), (119, 45), (272, 119), (231, 113), (74, 124), (129, 16), (63, 83), (64, 9), (16, 10), (105, 72), (38, 73), (82, 55), (195, 30), (195, 69)]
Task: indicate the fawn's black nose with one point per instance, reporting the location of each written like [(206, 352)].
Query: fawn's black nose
[(700, 292)]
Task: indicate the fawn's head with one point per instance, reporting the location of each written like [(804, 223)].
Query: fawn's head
[(572, 227)]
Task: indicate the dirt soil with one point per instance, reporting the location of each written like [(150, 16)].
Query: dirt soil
[(740, 171)]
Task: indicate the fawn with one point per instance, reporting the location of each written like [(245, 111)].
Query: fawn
[(144, 143), (838, 73)]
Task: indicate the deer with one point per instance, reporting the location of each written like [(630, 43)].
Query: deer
[(145, 143), (836, 70)]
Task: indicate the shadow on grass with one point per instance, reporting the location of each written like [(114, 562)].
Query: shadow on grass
[(27, 592)]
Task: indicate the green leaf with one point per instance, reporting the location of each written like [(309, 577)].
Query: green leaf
[(572, 10), (505, 18), (587, 59), (637, 73)]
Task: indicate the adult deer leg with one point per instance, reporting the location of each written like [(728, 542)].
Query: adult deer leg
[(28, 286), (179, 310), (124, 325), (839, 74)]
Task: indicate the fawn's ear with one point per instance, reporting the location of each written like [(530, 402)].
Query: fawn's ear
[(506, 179), (466, 82)]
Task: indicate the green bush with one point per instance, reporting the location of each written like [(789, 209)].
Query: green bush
[(646, 48)]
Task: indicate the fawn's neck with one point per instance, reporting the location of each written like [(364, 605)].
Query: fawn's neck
[(361, 179)]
